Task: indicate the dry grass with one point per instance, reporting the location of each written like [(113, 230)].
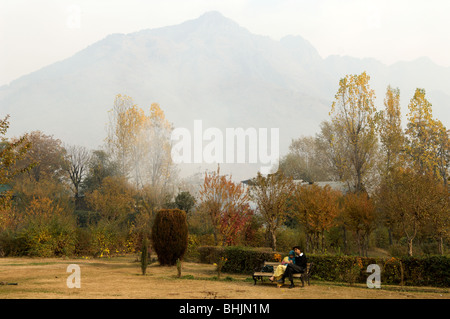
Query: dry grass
[(121, 278)]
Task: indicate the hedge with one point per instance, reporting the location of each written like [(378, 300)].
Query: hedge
[(241, 260), (409, 271)]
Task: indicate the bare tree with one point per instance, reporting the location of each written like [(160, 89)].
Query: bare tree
[(77, 161)]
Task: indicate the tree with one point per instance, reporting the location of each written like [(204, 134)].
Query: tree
[(270, 193), (144, 256), (120, 132), (302, 161), (160, 169), (412, 199), (392, 141), (421, 146), (331, 151), (353, 115), (359, 217), (10, 154), (113, 200), (442, 138), (77, 161), (125, 139), (226, 204), (185, 201), (170, 236), (390, 130), (141, 143), (316, 208), (45, 156), (440, 215), (100, 166)]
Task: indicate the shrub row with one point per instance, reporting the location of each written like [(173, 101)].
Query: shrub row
[(409, 271), (242, 260), (60, 236)]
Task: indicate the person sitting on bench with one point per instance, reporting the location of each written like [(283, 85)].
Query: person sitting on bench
[(299, 266), (279, 271)]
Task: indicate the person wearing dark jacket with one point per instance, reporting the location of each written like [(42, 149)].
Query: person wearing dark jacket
[(298, 267)]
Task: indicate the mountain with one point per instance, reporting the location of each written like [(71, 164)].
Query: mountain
[(209, 68)]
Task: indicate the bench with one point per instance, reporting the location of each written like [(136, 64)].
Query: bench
[(260, 275)]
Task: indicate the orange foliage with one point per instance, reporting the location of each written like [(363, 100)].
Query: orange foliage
[(226, 204)]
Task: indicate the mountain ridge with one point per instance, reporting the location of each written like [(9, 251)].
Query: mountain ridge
[(207, 68)]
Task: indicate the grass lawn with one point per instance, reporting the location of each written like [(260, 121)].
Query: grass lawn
[(120, 277)]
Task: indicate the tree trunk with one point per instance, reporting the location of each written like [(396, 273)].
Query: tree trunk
[(274, 240), (410, 247)]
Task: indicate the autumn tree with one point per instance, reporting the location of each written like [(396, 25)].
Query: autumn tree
[(270, 194), (11, 152), (47, 178), (439, 219), (442, 139), (316, 208), (353, 117), (412, 200), (390, 131), (118, 140), (113, 200), (160, 169), (359, 217), (46, 156), (419, 148), (227, 205), (124, 140), (426, 138), (141, 143)]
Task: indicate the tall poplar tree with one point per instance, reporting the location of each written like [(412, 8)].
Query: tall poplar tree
[(353, 115)]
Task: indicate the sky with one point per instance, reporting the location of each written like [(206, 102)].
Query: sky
[(34, 34)]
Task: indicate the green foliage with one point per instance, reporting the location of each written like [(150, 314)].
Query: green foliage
[(100, 166), (170, 235), (9, 245), (287, 236), (56, 237), (185, 201), (108, 238), (239, 259)]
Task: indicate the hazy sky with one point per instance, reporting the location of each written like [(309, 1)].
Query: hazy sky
[(34, 34)]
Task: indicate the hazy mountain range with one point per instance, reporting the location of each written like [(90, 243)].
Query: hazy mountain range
[(211, 69)]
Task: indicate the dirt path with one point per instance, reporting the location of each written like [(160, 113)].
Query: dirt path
[(121, 278)]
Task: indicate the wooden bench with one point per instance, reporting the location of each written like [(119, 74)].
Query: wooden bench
[(302, 276)]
